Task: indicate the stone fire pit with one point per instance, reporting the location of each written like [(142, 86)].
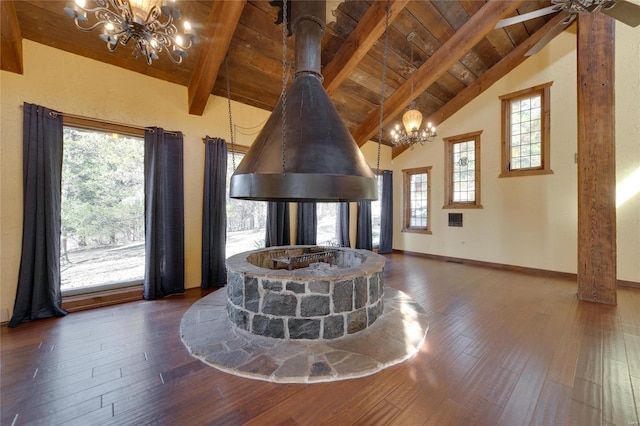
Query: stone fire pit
[(277, 323), (305, 292)]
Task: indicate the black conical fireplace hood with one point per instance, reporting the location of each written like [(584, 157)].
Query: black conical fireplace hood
[(322, 160)]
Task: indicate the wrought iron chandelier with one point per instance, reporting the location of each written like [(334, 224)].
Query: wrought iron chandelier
[(139, 22), (411, 134)]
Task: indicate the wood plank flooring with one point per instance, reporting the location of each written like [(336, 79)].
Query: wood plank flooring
[(503, 348)]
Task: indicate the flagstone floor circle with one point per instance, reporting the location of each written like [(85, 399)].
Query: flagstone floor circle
[(395, 337)]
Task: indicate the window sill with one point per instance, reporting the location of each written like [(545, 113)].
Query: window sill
[(517, 173), (462, 206), (417, 231), (97, 299)]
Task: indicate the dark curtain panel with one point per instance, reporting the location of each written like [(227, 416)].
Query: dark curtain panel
[(364, 233), (386, 213), (214, 214), (307, 224), (38, 294), (164, 213), (343, 225), (278, 232)]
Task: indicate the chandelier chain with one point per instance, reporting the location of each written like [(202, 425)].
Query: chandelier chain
[(412, 133), (412, 71), (231, 133), (383, 84), (284, 83)]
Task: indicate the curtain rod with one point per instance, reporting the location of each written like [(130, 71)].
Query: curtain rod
[(113, 123), (237, 145)]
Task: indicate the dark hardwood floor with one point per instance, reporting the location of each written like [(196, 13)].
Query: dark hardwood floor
[(503, 348)]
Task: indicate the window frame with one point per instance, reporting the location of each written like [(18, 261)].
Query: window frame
[(235, 148), (448, 171), (545, 144), (102, 126), (97, 125), (406, 204), (232, 150), (378, 177), (333, 241)]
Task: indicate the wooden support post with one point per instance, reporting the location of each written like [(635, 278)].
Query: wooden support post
[(596, 159)]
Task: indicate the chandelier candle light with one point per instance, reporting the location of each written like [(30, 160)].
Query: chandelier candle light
[(412, 120), (138, 20)]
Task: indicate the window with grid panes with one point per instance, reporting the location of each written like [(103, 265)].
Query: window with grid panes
[(462, 171), (525, 132), (416, 215)]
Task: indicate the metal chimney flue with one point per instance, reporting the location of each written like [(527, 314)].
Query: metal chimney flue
[(322, 162)]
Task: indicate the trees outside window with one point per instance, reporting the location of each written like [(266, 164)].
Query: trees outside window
[(376, 213), (327, 229), (102, 207), (246, 219)]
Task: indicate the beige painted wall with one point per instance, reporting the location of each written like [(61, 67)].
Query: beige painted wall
[(76, 85), (531, 221), (628, 151)]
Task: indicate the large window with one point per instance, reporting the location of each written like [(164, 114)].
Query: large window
[(376, 213), (102, 207), (416, 217), (462, 171), (525, 132), (327, 229), (246, 220)]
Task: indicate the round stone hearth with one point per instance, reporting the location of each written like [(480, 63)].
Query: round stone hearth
[(394, 337), (305, 292)]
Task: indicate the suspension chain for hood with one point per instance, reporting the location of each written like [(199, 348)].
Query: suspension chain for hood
[(233, 143), (284, 83), (384, 77)]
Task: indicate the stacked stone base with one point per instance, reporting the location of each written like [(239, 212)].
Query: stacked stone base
[(297, 305)]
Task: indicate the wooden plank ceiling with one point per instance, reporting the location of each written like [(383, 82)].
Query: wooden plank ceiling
[(456, 52)]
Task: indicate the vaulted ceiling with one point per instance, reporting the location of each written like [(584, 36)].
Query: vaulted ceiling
[(456, 53)]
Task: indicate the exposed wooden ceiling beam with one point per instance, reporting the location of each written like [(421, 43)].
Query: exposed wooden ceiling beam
[(11, 39), (486, 80), (370, 28), (474, 30), (221, 24)]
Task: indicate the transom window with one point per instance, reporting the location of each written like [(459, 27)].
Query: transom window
[(416, 217), (462, 171), (525, 132)]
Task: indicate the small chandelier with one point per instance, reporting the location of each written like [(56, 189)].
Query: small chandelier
[(412, 120), (139, 20), (411, 133)]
